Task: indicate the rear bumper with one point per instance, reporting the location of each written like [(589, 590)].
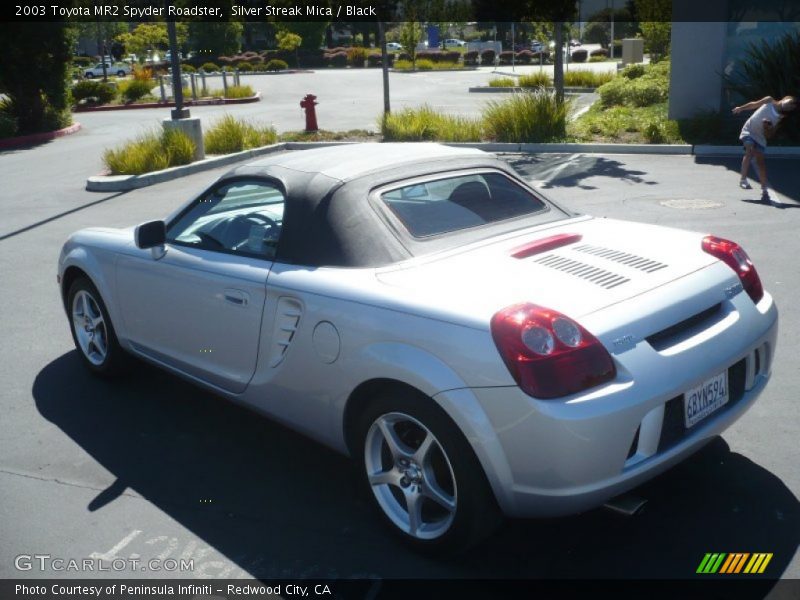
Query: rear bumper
[(557, 457)]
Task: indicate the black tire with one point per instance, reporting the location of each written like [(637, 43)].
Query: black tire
[(115, 361), (89, 75), (475, 515), (120, 73)]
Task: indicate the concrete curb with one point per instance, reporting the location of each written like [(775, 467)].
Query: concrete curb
[(209, 102), (578, 148), (485, 89), (122, 183), (393, 70), (777, 151), (38, 138)]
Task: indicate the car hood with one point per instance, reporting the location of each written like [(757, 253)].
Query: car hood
[(612, 261)]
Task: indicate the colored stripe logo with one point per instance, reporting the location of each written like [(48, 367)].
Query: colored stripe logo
[(735, 562)]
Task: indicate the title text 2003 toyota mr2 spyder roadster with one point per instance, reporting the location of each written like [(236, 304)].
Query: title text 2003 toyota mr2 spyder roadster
[(478, 349)]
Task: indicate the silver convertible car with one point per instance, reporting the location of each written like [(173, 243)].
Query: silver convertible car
[(478, 349)]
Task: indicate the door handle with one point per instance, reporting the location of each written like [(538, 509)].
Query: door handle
[(237, 297)]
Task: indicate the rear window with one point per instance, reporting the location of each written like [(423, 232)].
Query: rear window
[(453, 203)]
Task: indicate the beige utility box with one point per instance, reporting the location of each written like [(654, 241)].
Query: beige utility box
[(632, 51)]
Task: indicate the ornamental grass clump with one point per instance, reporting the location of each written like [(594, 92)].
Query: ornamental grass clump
[(427, 124), (152, 151), (529, 116), (230, 134)]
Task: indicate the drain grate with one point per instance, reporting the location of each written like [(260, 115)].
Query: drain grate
[(691, 203)]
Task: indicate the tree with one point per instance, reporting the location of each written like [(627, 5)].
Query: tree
[(410, 36), (560, 13), (312, 33), (34, 73), (100, 31), (213, 39), (289, 42), (656, 25), (145, 39)]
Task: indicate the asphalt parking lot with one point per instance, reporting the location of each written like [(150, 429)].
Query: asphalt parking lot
[(152, 467)]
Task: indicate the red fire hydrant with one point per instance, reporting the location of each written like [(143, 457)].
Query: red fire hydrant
[(311, 114)]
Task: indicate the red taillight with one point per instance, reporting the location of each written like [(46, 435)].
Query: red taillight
[(549, 355), (733, 255)]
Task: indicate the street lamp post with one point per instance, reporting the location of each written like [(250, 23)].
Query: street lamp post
[(179, 112), (180, 119)]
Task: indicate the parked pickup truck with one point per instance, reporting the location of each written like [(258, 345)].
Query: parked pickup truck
[(120, 69)]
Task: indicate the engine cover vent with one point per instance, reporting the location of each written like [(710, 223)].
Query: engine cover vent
[(629, 260), (598, 276)]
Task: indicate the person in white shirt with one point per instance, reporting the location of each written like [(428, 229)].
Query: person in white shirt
[(760, 126)]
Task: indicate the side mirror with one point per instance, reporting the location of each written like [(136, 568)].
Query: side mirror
[(150, 235)]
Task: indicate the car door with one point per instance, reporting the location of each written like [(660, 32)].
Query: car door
[(198, 307)]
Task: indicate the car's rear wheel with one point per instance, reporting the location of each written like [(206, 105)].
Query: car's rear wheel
[(92, 330), (423, 476), (120, 73), (89, 75)]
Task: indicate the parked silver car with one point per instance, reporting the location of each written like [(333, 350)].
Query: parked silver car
[(477, 348)]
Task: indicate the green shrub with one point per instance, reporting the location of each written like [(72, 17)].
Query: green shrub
[(645, 91), (403, 65), (652, 133), (102, 93), (244, 66), (239, 91), (151, 151), (502, 82), (83, 61), (425, 65), (8, 125), (613, 92), (647, 124), (426, 124), (770, 68), (135, 89), (638, 86), (535, 80), (597, 59), (210, 67), (535, 116), (633, 71), (230, 134), (187, 69), (276, 64)]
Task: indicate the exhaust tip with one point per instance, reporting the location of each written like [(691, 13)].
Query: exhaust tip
[(627, 504)]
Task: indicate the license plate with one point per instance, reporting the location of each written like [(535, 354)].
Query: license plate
[(701, 401)]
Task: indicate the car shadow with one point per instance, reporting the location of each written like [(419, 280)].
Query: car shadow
[(279, 505), (571, 170)]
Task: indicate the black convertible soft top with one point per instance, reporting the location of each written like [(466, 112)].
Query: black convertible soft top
[(329, 218)]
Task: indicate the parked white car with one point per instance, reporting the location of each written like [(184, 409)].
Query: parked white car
[(475, 347), (394, 47), (454, 43), (120, 69)]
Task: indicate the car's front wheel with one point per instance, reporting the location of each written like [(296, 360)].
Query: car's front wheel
[(92, 330), (120, 73), (423, 476)]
